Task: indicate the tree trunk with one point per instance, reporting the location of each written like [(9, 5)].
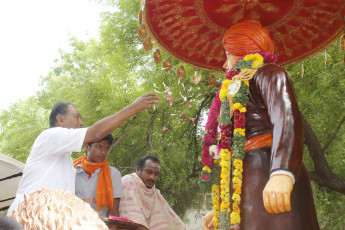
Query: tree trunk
[(322, 173)]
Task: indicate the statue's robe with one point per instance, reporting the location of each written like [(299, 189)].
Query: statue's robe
[(272, 108)]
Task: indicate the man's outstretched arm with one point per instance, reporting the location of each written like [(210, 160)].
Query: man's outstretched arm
[(107, 125)]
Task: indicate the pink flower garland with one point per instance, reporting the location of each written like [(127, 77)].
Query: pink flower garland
[(211, 131), (211, 126)]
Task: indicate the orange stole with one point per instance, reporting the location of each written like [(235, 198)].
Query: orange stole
[(104, 190)]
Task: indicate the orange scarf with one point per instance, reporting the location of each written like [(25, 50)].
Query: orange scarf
[(104, 190)]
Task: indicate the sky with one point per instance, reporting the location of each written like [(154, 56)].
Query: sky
[(31, 33)]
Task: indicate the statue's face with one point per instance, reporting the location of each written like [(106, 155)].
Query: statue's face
[(150, 172), (230, 61)]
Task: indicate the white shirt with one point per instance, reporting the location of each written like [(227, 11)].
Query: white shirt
[(49, 164), (85, 187)]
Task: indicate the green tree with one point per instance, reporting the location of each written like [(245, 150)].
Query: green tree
[(319, 86), (102, 77)]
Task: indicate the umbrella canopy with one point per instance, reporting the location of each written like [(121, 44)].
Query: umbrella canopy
[(192, 30), (11, 171)]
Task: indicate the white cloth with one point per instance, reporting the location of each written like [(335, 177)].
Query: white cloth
[(49, 164), (85, 187), (147, 206)]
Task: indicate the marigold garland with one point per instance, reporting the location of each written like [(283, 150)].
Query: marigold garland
[(240, 100), (235, 217), (215, 206), (225, 162)]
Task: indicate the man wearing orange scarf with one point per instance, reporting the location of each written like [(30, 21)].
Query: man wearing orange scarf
[(97, 183)]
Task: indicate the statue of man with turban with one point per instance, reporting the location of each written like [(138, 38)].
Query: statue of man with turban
[(276, 191)]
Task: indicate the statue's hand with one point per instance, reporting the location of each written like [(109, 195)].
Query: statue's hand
[(276, 195), (207, 221)]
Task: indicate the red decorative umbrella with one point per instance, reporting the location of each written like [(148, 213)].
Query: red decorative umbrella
[(192, 30)]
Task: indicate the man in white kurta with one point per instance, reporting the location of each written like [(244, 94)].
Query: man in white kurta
[(49, 164)]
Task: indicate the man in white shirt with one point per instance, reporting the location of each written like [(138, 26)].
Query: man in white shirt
[(49, 164)]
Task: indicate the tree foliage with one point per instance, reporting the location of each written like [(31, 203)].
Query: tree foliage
[(320, 92), (103, 76)]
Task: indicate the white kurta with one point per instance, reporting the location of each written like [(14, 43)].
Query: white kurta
[(49, 164)]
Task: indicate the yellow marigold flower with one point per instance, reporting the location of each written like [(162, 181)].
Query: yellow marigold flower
[(237, 189), (206, 168), (236, 106), (238, 164), (225, 181), (224, 151), (243, 109), (258, 60), (226, 83), (217, 161), (256, 64), (224, 164), (237, 181), (215, 202), (246, 83), (224, 207), (222, 94), (224, 175), (248, 57), (235, 218), (240, 131), (238, 173), (224, 90), (236, 208), (215, 222), (223, 185), (236, 197), (215, 187)]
